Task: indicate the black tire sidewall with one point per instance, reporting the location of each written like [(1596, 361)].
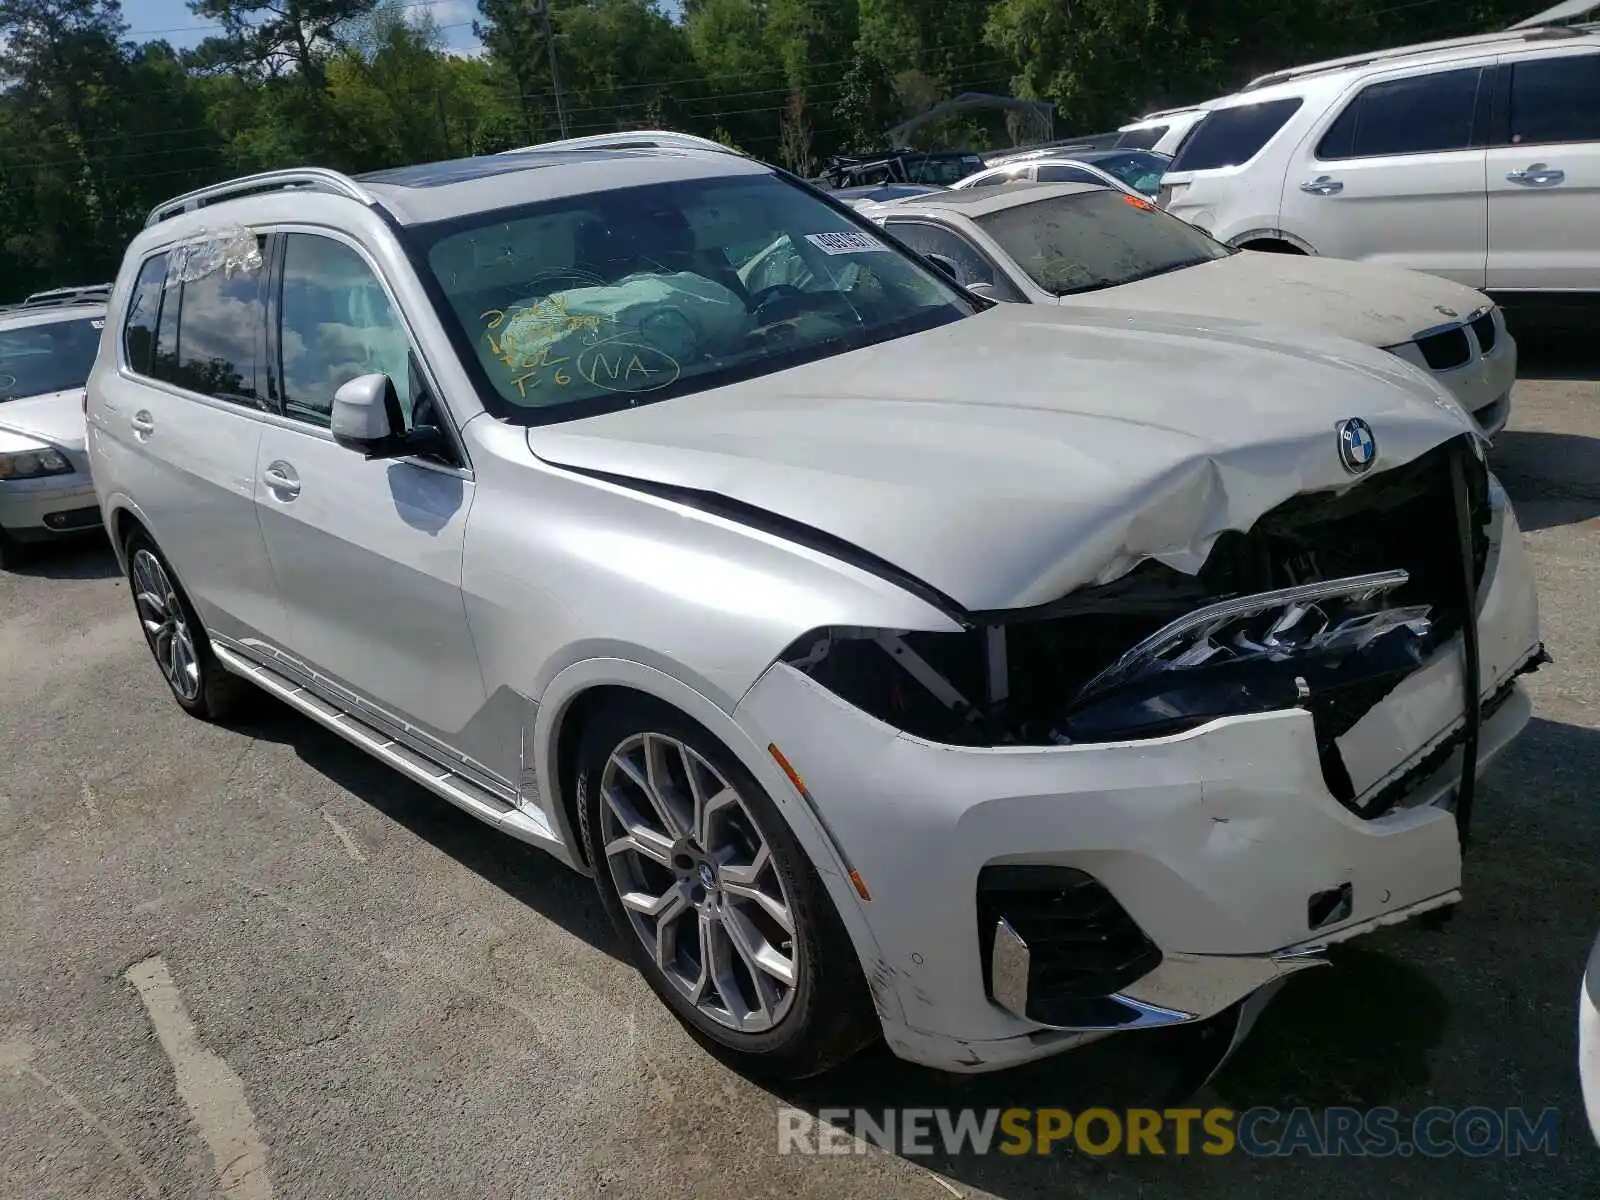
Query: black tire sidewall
[(830, 1017), (218, 688)]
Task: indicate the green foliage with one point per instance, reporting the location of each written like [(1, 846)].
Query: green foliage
[(95, 130)]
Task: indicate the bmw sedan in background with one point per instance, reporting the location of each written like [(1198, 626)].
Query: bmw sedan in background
[(1074, 245), (47, 348)]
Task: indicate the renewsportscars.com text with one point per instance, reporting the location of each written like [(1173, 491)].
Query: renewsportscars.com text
[(1259, 1132)]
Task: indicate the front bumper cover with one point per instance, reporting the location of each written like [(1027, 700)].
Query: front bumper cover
[(1213, 840)]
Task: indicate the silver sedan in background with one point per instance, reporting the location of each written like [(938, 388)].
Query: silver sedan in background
[(47, 348), (1073, 245)]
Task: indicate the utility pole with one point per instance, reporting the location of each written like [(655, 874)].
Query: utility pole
[(555, 78)]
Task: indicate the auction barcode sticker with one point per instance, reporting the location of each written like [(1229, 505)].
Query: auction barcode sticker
[(845, 242)]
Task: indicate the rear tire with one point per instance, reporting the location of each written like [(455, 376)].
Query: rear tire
[(201, 685), (725, 916)]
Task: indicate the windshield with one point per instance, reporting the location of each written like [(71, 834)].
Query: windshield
[(54, 357), (1139, 169), (1093, 240), (617, 298)]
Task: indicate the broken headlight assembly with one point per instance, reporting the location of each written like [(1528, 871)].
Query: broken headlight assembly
[(1060, 680)]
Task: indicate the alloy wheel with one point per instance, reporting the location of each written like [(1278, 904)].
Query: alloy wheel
[(165, 625), (697, 880)]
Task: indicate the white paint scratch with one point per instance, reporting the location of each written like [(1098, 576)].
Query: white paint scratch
[(16, 1055), (946, 1184), (210, 1090), (346, 838)]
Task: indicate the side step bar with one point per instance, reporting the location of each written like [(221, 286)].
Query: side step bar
[(530, 827)]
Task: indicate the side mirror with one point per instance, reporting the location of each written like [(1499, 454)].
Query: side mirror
[(366, 418), (945, 266)]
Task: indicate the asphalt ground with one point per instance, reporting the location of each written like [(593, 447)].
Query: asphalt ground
[(251, 962)]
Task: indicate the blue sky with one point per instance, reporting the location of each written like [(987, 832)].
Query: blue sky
[(150, 20)]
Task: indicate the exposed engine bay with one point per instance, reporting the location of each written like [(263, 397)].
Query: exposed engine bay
[(1326, 603)]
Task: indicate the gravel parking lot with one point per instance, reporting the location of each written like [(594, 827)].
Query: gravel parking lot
[(255, 947)]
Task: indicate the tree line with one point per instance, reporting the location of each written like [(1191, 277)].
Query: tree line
[(97, 126)]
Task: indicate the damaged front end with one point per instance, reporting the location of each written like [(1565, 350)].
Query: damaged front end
[(1327, 603)]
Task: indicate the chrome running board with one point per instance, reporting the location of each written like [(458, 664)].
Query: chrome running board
[(438, 778)]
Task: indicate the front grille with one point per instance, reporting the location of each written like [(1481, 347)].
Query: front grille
[(1401, 518), (1446, 350), (1484, 327), (1082, 945)]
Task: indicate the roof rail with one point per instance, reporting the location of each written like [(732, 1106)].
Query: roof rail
[(68, 295), (1539, 33), (315, 179), (64, 297), (633, 139), (1162, 112)]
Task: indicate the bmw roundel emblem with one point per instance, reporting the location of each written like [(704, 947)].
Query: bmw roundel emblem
[(1358, 447)]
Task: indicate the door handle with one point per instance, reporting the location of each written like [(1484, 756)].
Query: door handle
[(281, 480), (1322, 185), (143, 424), (1538, 175)]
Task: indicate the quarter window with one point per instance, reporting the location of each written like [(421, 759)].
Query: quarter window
[(139, 331), (1226, 137), (1142, 139), (1555, 100), (337, 325), (931, 239), (1421, 114)]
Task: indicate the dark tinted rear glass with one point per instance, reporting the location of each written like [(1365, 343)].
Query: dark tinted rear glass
[(1141, 139), (1230, 136), (1406, 116), (1061, 173), (1556, 100)]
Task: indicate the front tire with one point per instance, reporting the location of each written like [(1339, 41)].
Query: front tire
[(201, 685), (721, 910)]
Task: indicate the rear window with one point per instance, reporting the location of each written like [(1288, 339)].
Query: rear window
[(1418, 115), (36, 360), (1227, 137), (1094, 240)]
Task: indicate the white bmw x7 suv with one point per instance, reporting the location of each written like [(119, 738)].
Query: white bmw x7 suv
[(993, 678)]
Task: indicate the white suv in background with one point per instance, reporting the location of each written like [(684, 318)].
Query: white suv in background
[(1477, 159)]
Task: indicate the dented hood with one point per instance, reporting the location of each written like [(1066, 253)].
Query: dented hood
[(1368, 302), (1013, 456)]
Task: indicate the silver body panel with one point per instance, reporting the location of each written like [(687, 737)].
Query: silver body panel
[(447, 620)]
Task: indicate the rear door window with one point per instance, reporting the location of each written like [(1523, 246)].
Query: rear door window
[(1555, 100), (1227, 137), (221, 329), (1417, 115)]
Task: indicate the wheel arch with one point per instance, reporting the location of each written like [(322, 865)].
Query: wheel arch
[(584, 686), (1243, 241)]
